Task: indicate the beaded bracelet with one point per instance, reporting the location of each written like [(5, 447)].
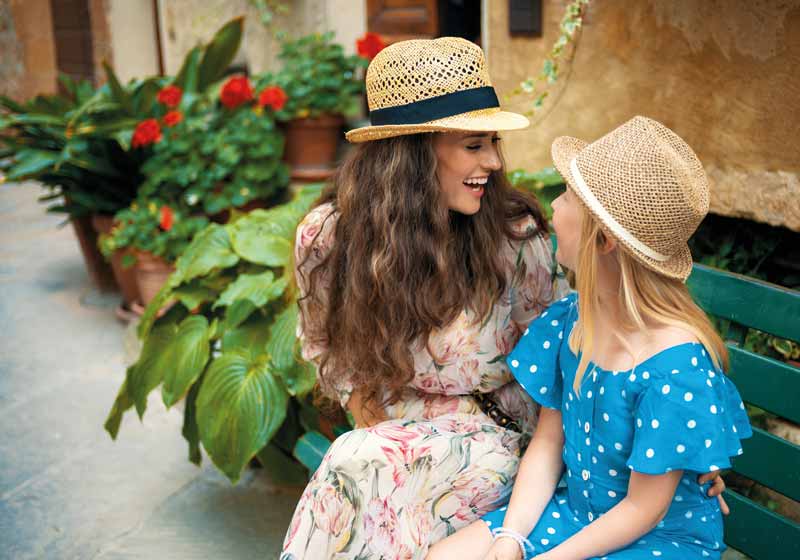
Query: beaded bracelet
[(524, 544)]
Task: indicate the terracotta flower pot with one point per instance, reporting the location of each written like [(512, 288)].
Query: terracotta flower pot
[(99, 270), (125, 277), (151, 274), (311, 146)]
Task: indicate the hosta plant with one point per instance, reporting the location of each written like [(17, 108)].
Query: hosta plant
[(227, 345)]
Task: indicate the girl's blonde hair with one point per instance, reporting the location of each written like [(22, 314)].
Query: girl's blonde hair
[(646, 297)]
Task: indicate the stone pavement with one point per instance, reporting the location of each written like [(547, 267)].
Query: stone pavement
[(66, 489)]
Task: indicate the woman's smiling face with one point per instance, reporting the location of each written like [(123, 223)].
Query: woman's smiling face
[(465, 161)]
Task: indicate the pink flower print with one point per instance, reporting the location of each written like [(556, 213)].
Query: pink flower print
[(506, 337), (394, 432), (333, 512), (469, 376), (297, 519), (457, 340), (439, 405), (403, 459), (476, 497), (536, 289), (308, 233), (417, 518), (380, 522)]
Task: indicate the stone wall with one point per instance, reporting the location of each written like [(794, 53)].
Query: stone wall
[(724, 74)]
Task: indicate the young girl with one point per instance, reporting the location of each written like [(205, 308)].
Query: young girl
[(628, 371)]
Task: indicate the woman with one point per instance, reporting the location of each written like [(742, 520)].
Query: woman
[(418, 272)]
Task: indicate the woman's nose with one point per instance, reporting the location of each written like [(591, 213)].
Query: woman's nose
[(492, 161)]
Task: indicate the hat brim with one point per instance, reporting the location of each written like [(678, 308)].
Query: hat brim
[(679, 265), (482, 120)]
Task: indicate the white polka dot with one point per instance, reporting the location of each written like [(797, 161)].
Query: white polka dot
[(646, 375), (561, 503), (713, 409), (602, 390), (713, 468), (556, 515), (612, 494), (741, 405), (589, 395), (543, 390), (533, 368), (665, 389), (678, 498), (588, 442), (654, 423), (567, 405), (674, 371), (704, 553), (691, 424), (612, 472), (503, 508), (591, 516), (579, 455), (594, 375), (704, 519), (601, 449), (708, 443), (554, 323), (688, 515), (694, 361), (546, 312), (688, 396), (618, 446), (606, 417), (632, 377), (703, 352), (735, 431), (708, 382), (586, 427), (615, 373), (526, 332), (545, 541), (624, 394), (680, 448), (514, 363), (594, 460), (585, 474), (489, 523), (656, 553), (546, 344), (711, 374), (638, 422), (551, 531), (560, 335), (569, 395), (650, 452), (585, 493)]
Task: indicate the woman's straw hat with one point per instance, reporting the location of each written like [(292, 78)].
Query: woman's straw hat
[(430, 85), (646, 187)]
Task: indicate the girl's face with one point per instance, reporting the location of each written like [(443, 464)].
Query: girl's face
[(567, 223), (465, 161)]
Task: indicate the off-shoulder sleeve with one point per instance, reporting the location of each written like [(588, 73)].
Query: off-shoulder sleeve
[(313, 242), (535, 360), (690, 417), (536, 277)]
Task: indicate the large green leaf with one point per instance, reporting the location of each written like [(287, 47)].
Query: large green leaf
[(145, 95), (187, 355), (31, 162), (236, 314), (240, 406), (251, 336), (268, 250), (154, 361), (155, 305), (187, 75), (258, 288), (194, 294), (122, 97), (282, 339), (219, 53), (122, 403), (210, 249), (190, 431)]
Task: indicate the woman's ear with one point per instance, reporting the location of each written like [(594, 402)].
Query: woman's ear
[(607, 243)]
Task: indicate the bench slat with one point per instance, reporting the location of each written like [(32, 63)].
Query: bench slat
[(765, 382), (747, 301), (771, 461), (758, 532)]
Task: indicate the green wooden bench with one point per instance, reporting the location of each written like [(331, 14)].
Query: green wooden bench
[(763, 382), (767, 384)]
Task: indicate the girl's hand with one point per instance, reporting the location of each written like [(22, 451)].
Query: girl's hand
[(717, 488), (504, 549)]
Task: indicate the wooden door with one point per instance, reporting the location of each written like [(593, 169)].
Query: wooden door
[(398, 20)]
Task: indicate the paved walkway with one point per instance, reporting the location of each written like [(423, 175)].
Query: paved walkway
[(66, 489)]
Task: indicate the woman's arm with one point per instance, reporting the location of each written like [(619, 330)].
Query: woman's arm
[(538, 474), (648, 499)]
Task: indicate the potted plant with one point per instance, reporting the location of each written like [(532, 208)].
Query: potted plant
[(227, 348), (322, 84), (155, 235)]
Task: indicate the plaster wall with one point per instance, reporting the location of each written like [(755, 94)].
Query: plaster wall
[(27, 51)]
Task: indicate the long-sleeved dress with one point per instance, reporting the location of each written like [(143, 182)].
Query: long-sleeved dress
[(439, 463)]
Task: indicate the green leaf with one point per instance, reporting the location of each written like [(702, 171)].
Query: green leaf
[(251, 336), (190, 431), (145, 97), (219, 53), (282, 339), (209, 250), (310, 450), (260, 248), (187, 75), (154, 361), (155, 305), (185, 358), (237, 313), (118, 92), (240, 407), (194, 294), (122, 403), (31, 162), (260, 289)]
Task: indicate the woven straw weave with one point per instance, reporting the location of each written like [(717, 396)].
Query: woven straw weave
[(650, 181)]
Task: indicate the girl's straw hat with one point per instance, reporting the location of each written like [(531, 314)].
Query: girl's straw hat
[(426, 85), (646, 187)]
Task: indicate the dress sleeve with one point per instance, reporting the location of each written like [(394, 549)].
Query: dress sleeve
[(535, 360), (689, 418), (313, 243), (536, 278)]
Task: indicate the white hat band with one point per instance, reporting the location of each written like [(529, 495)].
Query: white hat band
[(608, 219)]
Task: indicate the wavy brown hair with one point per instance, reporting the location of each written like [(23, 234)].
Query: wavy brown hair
[(402, 264)]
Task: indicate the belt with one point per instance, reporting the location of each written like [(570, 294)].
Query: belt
[(493, 411)]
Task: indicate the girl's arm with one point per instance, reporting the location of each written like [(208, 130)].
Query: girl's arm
[(538, 475), (648, 499)]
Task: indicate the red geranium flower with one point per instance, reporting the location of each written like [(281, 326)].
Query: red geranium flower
[(170, 96), (369, 45), (236, 91), (147, 132), (167, 217), (274, 97), (172, 118)]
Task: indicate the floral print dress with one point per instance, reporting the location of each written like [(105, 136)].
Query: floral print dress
[(438, 463)]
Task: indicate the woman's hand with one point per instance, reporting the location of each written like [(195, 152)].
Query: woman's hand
[(717, 488), (504, 548)]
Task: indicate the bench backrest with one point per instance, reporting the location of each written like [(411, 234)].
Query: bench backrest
[(767, 384)]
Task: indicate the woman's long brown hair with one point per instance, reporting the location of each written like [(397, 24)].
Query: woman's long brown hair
[(402, 264)]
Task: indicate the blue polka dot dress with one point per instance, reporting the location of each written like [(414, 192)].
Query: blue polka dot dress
[(673, 411)]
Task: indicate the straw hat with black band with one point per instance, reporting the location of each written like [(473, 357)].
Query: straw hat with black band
[(645, 186), (431, 85)]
